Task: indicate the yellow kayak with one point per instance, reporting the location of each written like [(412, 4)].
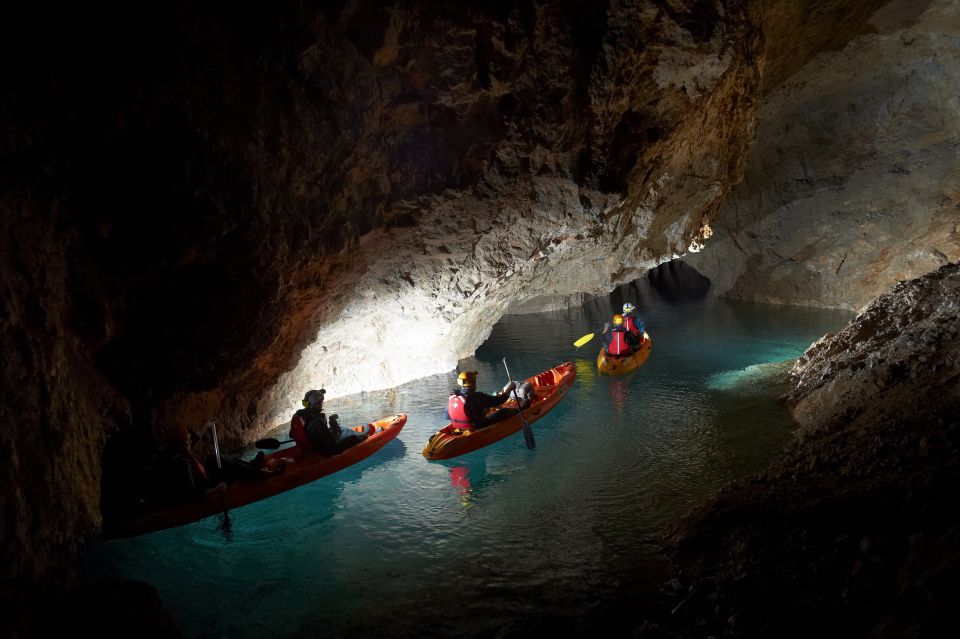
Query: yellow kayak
[(620, 364)]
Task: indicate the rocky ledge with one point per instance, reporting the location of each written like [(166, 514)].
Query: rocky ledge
[(854, 530)]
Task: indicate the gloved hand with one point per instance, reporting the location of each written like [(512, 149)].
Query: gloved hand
[(606, 327), (509, 387)]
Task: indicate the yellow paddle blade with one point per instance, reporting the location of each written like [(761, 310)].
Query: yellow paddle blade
[(583, 340)]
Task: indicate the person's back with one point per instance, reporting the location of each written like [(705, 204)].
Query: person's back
[(313, 432), (180, 475), (616, 340), (631, 322), (309, 428), (467, 407)]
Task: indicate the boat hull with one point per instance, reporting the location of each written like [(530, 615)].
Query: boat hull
[(298, 468), (549, 387), (618, 365)]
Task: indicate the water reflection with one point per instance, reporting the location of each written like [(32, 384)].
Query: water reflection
[(619, 395), (586, 374), (460, 480), (616, 461)]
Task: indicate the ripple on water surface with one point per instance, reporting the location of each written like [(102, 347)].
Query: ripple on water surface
[(503, 533)]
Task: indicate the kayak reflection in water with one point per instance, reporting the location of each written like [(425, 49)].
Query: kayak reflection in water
[(460, 480), (619, 395), (586, 375)]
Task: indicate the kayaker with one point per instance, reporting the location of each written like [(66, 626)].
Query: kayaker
[(631, 321), (183, 477), (467, 407), (309, 427), (617, 340), (312, 431)]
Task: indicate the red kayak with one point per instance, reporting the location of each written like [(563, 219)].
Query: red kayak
[(549, 387), (291, 468)]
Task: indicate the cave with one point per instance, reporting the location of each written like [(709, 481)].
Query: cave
[(209, 210)]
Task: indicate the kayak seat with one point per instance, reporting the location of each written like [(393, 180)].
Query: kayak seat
[(544, 379)]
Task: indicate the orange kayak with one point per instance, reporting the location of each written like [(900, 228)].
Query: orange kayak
[(293, 468), (620, 364), (549, 387)]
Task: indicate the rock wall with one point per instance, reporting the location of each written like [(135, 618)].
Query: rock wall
[(54, 406), (220, 205), (851, 184), (594, 179), (853, 531)]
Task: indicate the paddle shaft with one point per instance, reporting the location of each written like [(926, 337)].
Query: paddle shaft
[(270, 443), (225, 524), (527, 431), (226, 513)]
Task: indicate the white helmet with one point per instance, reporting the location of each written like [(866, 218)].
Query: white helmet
[(628, 308), (314, 398)]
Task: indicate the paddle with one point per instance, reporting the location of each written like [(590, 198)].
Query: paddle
[(527, 432), (589, 336), (271, 443), (225, 525), (583, 340)]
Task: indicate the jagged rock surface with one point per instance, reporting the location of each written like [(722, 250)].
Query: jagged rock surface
[(899, 360), (201, 215), (851, 183), (854, 530), (213, 209)]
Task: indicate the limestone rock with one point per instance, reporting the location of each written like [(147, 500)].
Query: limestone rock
[(213, 210), (850, 185), (898, 360)]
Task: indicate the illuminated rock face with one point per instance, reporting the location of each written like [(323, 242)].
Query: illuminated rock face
[(232, 209), (466, 163), (851, 184)]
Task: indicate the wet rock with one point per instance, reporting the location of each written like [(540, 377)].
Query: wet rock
[(869, 483)]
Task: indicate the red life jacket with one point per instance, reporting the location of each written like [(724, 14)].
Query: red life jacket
[(457, 409), (631, 325), (618, 343), (198, 469), (298, 430)]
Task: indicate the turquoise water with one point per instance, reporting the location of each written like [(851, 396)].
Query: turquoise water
[(398, 546)]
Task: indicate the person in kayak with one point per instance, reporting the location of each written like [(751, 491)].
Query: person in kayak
[(618, 340), (632, 322), (467, 407), (312, 431), (181, 474)]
